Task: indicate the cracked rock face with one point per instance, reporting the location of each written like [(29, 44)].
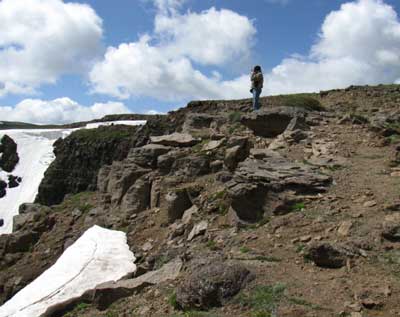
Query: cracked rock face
[(257, 183)]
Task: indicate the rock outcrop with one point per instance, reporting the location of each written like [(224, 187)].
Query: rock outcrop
[(8, 154), (257, 184)]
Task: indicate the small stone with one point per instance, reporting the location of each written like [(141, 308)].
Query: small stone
[(147, 247), (344, 228), (305, 239), (395, 174), (198, 229), (188, 214), (370, 203)]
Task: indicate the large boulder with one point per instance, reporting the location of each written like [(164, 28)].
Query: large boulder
[(270, 122), (146, 156), (211, 285), (258, 184), (137, 198), (9, 156), (328, 255), (14, 181), (191, 166), (391, 232), (175, 139), (115, 180), (177, 202)]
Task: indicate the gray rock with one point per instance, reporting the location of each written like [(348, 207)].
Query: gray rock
[(3, 186), (191, 166), (198, 229), (175, 139), (216, 166), (165, 162), (146, 156), (155, 193), (177, 202), (9, 158), (258, 184), (328, 255), (213, 145), (268, 123), (211, 286), (189, 214), (137, 197), (118, 178), (391, 232)]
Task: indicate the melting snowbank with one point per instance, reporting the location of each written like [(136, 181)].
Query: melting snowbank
[(35, 151), (98, 256)]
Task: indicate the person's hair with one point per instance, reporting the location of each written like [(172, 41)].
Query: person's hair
[(257, 68)]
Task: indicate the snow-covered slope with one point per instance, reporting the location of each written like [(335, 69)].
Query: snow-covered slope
[(99, 256), (35, 151)]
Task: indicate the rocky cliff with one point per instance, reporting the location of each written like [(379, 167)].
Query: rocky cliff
[(289, 211)]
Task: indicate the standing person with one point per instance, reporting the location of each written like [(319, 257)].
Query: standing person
[(257, 81)]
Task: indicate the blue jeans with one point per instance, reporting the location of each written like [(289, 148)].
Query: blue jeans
[(256, 98)]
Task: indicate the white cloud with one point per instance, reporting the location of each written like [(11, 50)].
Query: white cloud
[(58, 111), (168, 6), (211, 37), (162, 65), (41, 40), (358, 44)]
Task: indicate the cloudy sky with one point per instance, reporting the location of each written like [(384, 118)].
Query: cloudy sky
[(63, 61)]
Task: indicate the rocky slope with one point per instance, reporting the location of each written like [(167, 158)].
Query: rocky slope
[(291, 211)]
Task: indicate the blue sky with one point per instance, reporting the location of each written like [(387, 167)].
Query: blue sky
[(155, 55)]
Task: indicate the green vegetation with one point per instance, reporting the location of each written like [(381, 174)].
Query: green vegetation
[(234, 117), (80, 201), (394, 138), (79, 308), (82, 306), (194, 313), (172, 301), (262, 258), (212, 245), (103, 133), (199, 146), (244, 249), (161, 261), (300, 247), (303, 101), (263, 300), (303, 302), (297, 207)]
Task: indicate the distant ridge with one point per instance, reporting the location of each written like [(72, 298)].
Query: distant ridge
[(7, 125)]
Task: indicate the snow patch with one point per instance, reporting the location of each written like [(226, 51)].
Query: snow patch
[(35, 151), (124, 122), (98, 256)]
